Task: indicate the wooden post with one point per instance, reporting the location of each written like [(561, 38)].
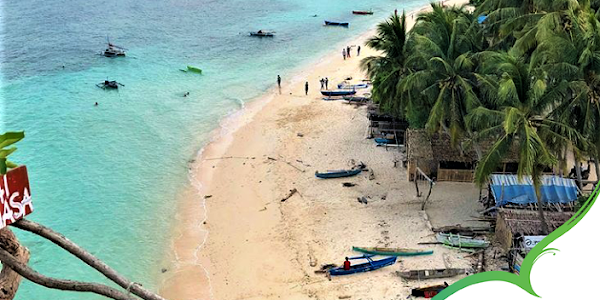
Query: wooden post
[(9, 279)]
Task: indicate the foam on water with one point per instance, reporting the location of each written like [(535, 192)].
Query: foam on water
[(108, 176)]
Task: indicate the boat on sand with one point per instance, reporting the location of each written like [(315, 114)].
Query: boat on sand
[(393, 251), (430, 274), (370, 265), (338, 173)]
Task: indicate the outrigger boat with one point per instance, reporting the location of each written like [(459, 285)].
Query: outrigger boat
[(338, 173), (113, 50), (370, 265), (362, 12), (109, 85), (430, 274), (343, 24), (459, 241), (345, 85), (393, 251), (261, 33)]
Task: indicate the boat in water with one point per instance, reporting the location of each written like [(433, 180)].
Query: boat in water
[(343, 24), (191, 69), (333, 93), (113, 50), (430, 274), (393, 251), (362, 12), (262, 33), (370, 265), (338, 173), (112, 85)]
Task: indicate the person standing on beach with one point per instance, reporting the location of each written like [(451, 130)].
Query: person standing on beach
[(344, 53), (348, 51), (279, 83), (326, 83), (306, 88), (358, 51), (322, 80)]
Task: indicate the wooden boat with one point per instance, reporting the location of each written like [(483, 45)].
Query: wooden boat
[(430, 274), (333, 93), (261, 33), (330, 23), (392, 251), (362, 12), (461, 241), (428, 291), (338, 174), (345, 85), (109, 85), (370, 265), (356, 99), (192, 70), (113, 50)]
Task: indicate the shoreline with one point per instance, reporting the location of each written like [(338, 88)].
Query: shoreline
[(191, 261)]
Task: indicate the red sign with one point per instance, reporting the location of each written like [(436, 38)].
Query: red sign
[(15, 197)]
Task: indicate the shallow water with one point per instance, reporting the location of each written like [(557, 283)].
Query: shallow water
[(107, 176)]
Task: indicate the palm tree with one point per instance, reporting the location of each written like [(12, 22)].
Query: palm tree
[(6, 140), (573, 50), (387, 70), (519, 115), (442, 65)]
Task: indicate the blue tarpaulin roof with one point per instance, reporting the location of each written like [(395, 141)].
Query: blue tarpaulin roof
[(481, 19), (508, 189)]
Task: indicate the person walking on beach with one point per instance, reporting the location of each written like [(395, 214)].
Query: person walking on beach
[(306, 88), (326, 83), (358, 51), (344, 53), (279, 83)]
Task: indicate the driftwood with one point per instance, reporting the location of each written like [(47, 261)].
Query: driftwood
[(86, 257), (9, 279), (292, 192)]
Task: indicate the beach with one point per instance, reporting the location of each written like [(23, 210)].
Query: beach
[(237, 238)]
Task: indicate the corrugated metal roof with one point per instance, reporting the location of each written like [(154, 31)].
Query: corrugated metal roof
[(555, 189)]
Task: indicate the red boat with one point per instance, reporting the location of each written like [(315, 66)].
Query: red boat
[(362, 12)]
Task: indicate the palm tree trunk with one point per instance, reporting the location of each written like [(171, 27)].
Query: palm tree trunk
[(578, 172), (538, 193), (597, 169)]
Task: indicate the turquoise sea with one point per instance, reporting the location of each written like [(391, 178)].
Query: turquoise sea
[(108, 177)]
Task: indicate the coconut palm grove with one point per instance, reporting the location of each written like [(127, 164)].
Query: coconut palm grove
[(525, 74)]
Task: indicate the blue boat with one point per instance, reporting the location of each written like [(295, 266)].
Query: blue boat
[(338, 174), (329, 23), (333, 93), (383, 141), (370, 265)]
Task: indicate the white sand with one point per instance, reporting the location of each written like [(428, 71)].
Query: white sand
[(261, 248)]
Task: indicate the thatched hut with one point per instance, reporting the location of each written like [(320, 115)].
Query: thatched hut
[(435, 156), (514, 224)]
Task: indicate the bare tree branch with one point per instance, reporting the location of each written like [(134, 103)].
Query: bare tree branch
[(61, 284), (9, 279), (86, 257)]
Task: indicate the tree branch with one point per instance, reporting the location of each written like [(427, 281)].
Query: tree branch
[(61, 284), (9, 279), (86, 257)]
